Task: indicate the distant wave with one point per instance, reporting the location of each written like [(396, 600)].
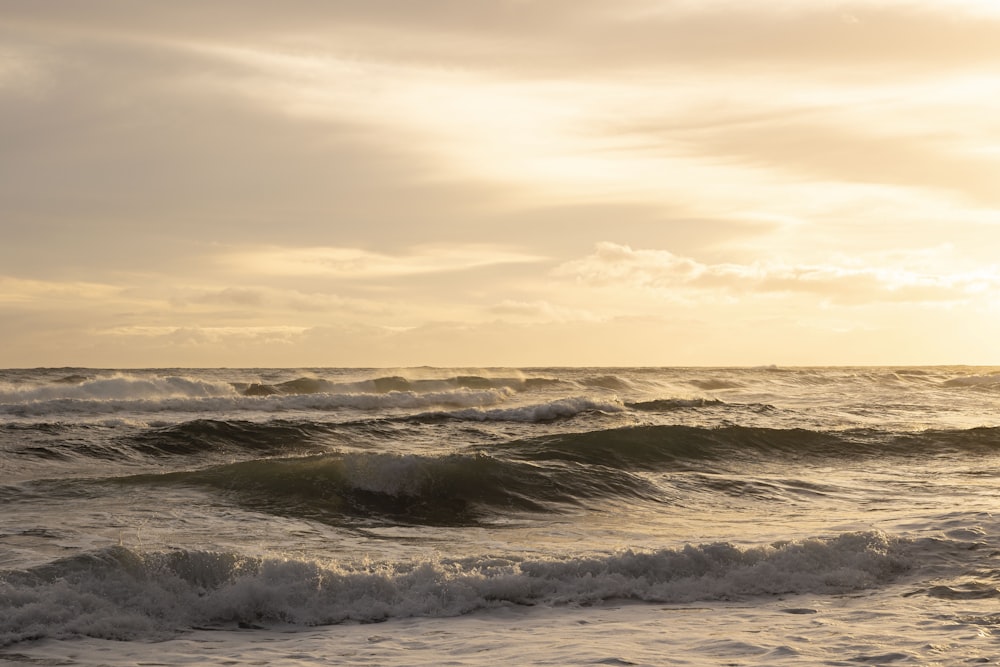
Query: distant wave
[(208, 435), (982, 382), (669, 404), (613, 382), (711, 384), (188, 439), (118, 386), (654, 447), (676, 404), (559, 409), (44, 403), (392, 383), (125, 385), (673, 446), (118, 593), (121, 392)]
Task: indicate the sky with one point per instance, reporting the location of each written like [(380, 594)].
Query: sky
[(389, 183)]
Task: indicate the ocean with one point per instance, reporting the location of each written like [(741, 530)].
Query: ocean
[(543, 516)]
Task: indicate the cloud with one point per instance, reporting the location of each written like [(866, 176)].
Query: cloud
[(852, 152), (900, 36), (396, 177), (358, 264), (212, 335), (123, 158), (261, 120), (540, 311), (46, 293), (620, 267), (565, 36), (707, 138), (270, 302)]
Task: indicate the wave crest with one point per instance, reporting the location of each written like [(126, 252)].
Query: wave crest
[(454, 489), (119, 386), (117, 593), (551, 411)]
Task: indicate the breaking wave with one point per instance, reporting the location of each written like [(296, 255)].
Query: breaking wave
[(235, 402), (453, 489), (118, 593), (391, 383)]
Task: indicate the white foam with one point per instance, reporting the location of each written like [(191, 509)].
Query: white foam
[(122, 594), (880, 628), (118, 386), (161, 397)]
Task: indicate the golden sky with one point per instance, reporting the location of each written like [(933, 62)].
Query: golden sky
[(502, 182)]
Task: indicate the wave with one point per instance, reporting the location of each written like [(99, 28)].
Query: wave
[(118, 386), (122, 594), (676, 446), (105, 439), (526, 473), (200, 436), (143, 444), (671, 446), (713, 384), (453, 489), (981, 382), (613, 382), (214, 436), (122, 392), (670, 404), (303, 467), (678, 404), (393, 383), (566, 408), (234, 402), (547, 474)]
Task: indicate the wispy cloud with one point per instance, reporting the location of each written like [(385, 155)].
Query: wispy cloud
[(47, 293), (541, 310), (619, 266), (198, 335), (358, 264)]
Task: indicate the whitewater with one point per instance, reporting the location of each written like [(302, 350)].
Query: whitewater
[(549, 516)]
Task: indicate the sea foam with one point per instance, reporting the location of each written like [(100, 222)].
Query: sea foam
[(119, 593)]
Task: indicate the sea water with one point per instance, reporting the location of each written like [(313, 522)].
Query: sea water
[(743, 516)]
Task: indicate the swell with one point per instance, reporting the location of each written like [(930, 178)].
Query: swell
[(294, 468), (215, 436), (131, 386), (117, 593), (669, 404), (548, 474), (62, 442), (678, 404), (663, 447), (118, 441), (454, 489), (556, 410), (232, 402), (394, 383), (125, 393)]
